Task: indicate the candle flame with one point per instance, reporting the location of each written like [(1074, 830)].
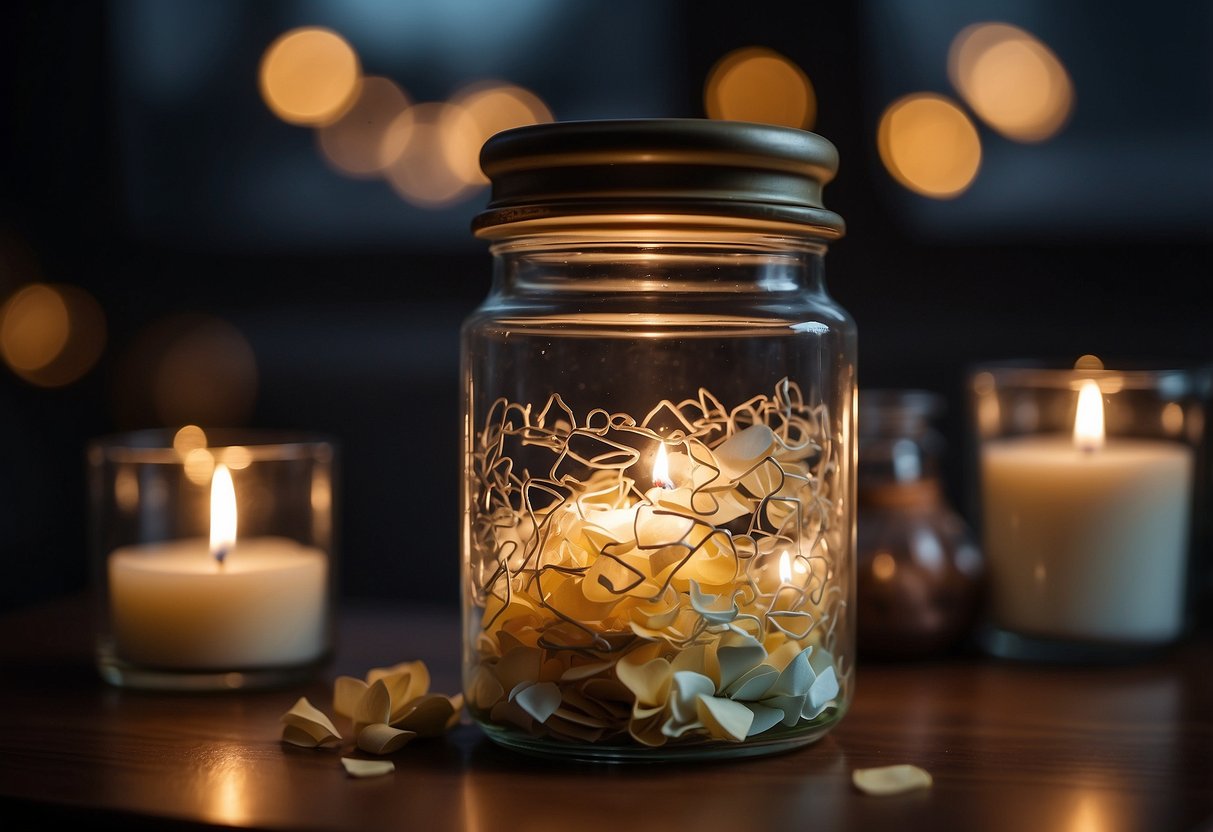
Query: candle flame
[(661, 469), (785, 569), (1089, 421), (223, 513)]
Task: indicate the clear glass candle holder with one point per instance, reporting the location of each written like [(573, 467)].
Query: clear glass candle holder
[(212, 557), (1091, 498)]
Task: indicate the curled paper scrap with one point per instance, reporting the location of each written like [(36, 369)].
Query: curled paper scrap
[(367, 768), (307, 726), (888, 780)]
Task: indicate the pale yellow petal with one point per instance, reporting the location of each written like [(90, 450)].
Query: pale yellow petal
[(888, 780), (347, 693), (383, 739), (367, 768)]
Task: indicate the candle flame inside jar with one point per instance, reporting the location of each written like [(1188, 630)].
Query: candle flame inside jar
[(661, 469), (1089, 420), (223, 513), (785, 569)]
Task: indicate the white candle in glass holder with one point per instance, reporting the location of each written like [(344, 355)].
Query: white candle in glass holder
[(1087, 538), (227, 605)]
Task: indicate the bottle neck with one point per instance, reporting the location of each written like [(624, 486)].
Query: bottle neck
[(743, 265)]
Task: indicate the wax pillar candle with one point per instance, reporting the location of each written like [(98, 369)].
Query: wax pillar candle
[(224, 605), (1087, 538)]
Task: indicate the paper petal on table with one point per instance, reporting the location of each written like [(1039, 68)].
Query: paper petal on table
[(375, 706), (427, 716), (887, 780), (383, 739), (367, 768), (347, 693), (306, 725)]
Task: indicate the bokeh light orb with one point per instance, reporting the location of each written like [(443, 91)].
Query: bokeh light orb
[(929, 145), (309, 76), (1011, 80), (760, 85)]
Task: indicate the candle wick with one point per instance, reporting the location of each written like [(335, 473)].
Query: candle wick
[(220, 553)]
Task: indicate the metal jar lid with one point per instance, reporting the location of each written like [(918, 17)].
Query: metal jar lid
[(658, 173)]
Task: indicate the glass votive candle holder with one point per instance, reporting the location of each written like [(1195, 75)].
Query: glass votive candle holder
[(1089, 498), (212, 557)]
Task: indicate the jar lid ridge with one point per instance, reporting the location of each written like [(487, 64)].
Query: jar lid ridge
[(658, 172)]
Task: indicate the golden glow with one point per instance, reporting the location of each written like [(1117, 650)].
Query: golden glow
[(421, 174), (126, 489), (760, 85), (223, 512), (1172, 418), (230, 798), (309, 76), (661, 468), (1089, 815), (34, 327), (1088, 362), (1089, 421), (486, 109), (358, 143), (929, 145), (1011, 80), (199, 466), (206, 373), (883, 566), (189, 438), (785, 569), (237, 457), (51, 335)]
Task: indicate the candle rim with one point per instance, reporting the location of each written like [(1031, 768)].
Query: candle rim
[(155, 445), (1181, 378)]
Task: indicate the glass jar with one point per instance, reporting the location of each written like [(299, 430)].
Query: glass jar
[(920, 573), (659, 440)]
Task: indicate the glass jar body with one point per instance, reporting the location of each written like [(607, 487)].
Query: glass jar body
[(658, 522)]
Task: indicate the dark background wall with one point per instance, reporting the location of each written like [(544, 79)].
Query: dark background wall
[(140, 164)]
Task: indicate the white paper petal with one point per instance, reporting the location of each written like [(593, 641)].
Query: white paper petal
[(367, 768), (347, 693), (753, 685), (688, 686), (744, 449), (887, 780), (715, 609), (796, 677), (383, 739), (312, 722), (764, 718), (824, 689), (740, 656), (724, 718), (791, 706), (539, 700)]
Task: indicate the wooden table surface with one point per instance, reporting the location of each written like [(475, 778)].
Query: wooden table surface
[(1011, 747)]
